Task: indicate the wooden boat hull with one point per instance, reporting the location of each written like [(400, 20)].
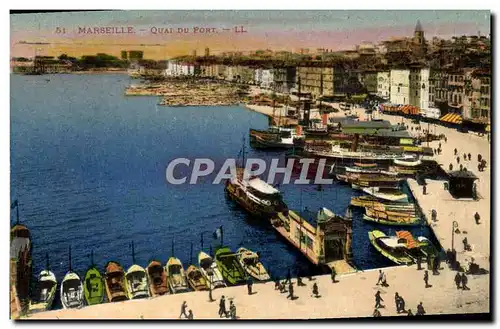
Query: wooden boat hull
[(114, 284), (206, 265), (176, 279), (256, 271), (257, 210), (71, 284), (93, 286), (399, 197), (136, 282), (48, 286), (157, 278), (391, 222), (373, 237), (195, 279)]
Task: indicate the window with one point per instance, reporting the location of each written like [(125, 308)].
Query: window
[(399, 89), (460, 99), (416, 92)]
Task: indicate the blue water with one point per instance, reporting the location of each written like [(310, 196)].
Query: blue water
[(88, 168)]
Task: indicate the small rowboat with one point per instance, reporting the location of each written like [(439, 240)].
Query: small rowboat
[(157, 279), (249, 260), (196, 279), (395, 196), (175, 276), (370, 201), (71, 291), (210, 270), (115, 282), (413, 221), (408, 163), (370, 171), (365, 165), (46, 292), (93, 286)]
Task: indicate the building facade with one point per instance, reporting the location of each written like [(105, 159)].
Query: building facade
[(419, 88), (384, 84), (400, 86), (315, 80)]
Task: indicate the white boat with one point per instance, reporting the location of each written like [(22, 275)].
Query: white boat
[(71, 291), (249, 260), (388, 195), (47, 291), (408, 163), (337, 152), (370, 171), (210, 270), (136, 281)]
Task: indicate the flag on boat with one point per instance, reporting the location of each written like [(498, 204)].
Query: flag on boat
[(14, 204), (218, 233)]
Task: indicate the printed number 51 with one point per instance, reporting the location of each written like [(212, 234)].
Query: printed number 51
[(60, 30)]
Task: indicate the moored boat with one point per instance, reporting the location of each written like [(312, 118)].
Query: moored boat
[(427, 247), (71, 291), (370, 171), (408, 162), (46, 291), (229, 266), (157, 278), (175, 276), (210, 270), (93, 286), (390, 247), (389, 195), (403, 221), (251, 263), (371, 201), (136, 280), (196, 279), (116, 290)]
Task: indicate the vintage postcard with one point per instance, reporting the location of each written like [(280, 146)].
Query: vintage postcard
[(243, 165)]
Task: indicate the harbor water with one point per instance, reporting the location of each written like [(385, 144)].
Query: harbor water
[(88, 168)]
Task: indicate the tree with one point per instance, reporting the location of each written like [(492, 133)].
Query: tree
[(62, 57)]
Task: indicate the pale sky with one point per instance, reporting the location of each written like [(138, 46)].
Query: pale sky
[(278, 30)]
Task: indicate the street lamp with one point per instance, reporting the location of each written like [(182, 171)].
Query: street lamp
[(210, 276), (454, 227)]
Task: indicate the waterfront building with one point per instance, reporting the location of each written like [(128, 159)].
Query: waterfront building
[(258, 76), (284, 79), (400, 86), (419, 88), (456, 87), (176, 69), (243, 74), (384, 84), (477, 95), (267, 79), (315, 79), (369, 80), (438, 88)]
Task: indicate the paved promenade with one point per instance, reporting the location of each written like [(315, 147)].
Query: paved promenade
[(351, 296)]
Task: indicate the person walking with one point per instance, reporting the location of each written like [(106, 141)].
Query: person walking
[(277, 284), (451, 167), (464, 282), (378, 300), (434, 215), (380, 277), (315, 290), (426, 278), (469, 156), (290, 291), (465, 242), (232, 310), (397, 302), (282, 287), (183, 310), (477, 217), (410, 313), (456, 151), (419, 262), (334, 273), (376, 313), (424, 188), (384, 280), (249, 285), (458, 280), (299, 282), (401, 305), (288, 277), (190, 315), (420, 309), (458, 160), (222, 307), (465, 157)]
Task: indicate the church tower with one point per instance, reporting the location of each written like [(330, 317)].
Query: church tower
[(418, 36)]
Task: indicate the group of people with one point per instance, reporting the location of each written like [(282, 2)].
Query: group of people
[(281, 285), (222, 309)]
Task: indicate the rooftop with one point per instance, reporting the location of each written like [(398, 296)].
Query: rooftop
[(462, 174)]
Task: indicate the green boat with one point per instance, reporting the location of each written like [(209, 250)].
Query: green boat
[(413, 221), (93, 287), (394, 248), (229, 266)]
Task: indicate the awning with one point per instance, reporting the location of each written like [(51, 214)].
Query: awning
[(452, 118)]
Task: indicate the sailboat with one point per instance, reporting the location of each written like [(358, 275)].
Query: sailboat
[(93, 287), (71, 289), (44, 296), (136, 280)]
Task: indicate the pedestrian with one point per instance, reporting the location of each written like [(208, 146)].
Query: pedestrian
[(378, 300), (479, 157), (477, 217), (465, 157), (420, 309), (410, 313), (401, 305), (426, 278), (435, 265), (458, 279), (445, 139), (479, 167), (299, 282), (290, 291), (315, 290), (434, 215), (288, 277), (380, 277), (282, 287), (439, 150), (465, 242), (384, 280), (376, 313), (469, 156), (190, 315), (424, 189), (451, 167), (439, 144), (249, 285), (222, 307), (232, 310), (435, 151), (334, 273), (458, 160), (461, 167), (456, 151), (183, 310), (449, 255), (464, 282), (419, 262), (276, 284), (397, 302)]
